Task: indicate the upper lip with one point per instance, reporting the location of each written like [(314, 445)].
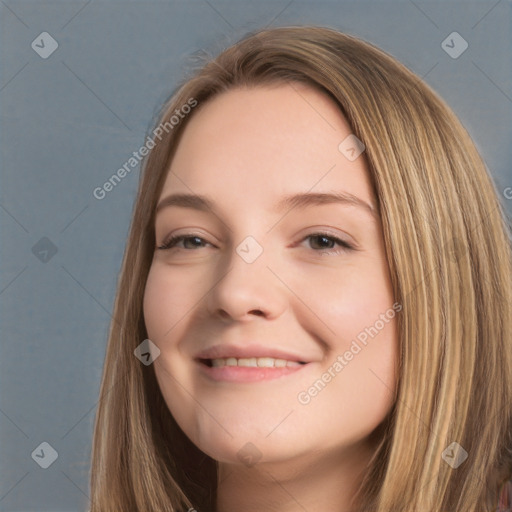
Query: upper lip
[(248, 351)]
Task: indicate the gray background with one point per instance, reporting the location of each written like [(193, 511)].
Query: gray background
[(71, 120)]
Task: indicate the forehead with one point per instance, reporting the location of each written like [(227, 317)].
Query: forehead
[(255, 144)]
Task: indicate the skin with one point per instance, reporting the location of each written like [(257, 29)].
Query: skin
[(246, 149)]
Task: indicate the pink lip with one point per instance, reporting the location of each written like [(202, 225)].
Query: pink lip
[(247, 373), (224, 351)]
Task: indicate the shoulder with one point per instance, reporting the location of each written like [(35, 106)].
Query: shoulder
[(505, 503)]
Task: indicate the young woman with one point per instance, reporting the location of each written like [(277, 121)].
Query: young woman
[(314, 308)]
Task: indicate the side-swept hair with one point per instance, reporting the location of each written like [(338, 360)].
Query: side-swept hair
[(448, 247)]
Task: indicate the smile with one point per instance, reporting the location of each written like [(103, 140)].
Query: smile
[(250, 369), (260, 362)]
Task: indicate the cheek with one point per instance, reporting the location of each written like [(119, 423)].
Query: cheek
[(165, 307), (154, 307), (354, 390), (360, 369), (348, 300), (165, 303)]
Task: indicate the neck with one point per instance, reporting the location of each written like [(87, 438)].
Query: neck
[(312, 482)]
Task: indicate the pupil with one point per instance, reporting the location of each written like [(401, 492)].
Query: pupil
[(195, 238), (324, 238)]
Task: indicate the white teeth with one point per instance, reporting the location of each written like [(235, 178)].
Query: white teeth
[(250, 361), (266, 362), (262, 362)]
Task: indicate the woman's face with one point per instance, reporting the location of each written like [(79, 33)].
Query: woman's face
[(261, 282)]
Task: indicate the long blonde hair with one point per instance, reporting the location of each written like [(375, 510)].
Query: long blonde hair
[(449, 252)]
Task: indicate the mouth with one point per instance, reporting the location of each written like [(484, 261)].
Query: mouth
[(248, 369), (250, 362)]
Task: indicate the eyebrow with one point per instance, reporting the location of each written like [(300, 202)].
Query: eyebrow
[(303, 200)]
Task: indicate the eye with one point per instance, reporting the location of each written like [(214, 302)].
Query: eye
[(174, 240), (322, 238), (325, 239)]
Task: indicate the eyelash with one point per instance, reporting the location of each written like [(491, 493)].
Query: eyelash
[(171, 242)]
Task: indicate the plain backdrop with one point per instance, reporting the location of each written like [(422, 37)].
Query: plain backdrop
[(69, 120)]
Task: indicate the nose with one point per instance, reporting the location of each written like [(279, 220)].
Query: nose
[(246, 289)]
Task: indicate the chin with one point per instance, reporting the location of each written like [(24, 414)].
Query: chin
[(247, 452)]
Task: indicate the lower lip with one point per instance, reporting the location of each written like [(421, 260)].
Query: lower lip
[(247, 373)]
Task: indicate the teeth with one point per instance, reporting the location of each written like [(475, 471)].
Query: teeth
[(261, 362), (251, 361)]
